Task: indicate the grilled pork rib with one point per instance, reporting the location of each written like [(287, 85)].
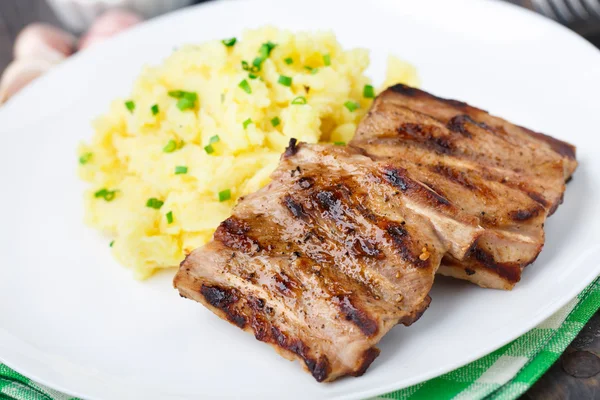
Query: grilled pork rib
[(323, 261), (344, 243), (504, 179)]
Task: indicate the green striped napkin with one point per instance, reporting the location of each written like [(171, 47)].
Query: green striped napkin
[(508, 372), (504, 374)]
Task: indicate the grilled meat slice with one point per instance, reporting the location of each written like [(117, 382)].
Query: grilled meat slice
[(323, 261), (344, 243), (505, 178), (455, 114)]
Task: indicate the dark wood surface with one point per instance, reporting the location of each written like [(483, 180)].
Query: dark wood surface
[(575, 376)]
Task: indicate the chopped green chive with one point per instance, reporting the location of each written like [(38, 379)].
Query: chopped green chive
[(130, 105), (187, 100), (339, 143), (253, 68), (186, 104), (154, 109), (85, 158), (368, 92), (306, 67), (245, 86), (314, 71), (247, 122), (285, 80), (275, 121), (288, 60), (155, 203), (111, 243), (229, 42), (257, 63), (225, 195), (266, 48), (214, 139), (176, 93), (351, 105), (107, 195), (100, 193), (327, 59), (181, 169), (170, 147), (252, 76), (209, 149), (299, 100), (264, 52), (169, 217)]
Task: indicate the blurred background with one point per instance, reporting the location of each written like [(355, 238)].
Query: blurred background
[(35, 35)]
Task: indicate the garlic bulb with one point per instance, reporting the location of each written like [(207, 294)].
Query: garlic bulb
[(19, 73), (107, 25), (44, 42)]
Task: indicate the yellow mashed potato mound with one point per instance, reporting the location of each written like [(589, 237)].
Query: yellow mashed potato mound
[(167, 164)]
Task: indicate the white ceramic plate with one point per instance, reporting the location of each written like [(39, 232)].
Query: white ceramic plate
[(72, 318)]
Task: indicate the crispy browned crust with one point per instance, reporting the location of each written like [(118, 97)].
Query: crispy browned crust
[(417, 313)]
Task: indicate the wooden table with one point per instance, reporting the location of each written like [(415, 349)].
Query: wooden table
[(576, 375)]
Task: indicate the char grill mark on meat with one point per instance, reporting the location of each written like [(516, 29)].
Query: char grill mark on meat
[(318, 264), (398, 178), (504, 179), (401, 239), (358, 317), (233, 233), (295, 208), (459, 177)]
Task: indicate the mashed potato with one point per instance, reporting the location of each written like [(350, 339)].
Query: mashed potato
[(167, 164)]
